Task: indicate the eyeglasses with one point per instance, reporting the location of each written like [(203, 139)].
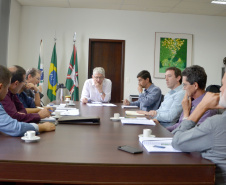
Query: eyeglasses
[(98, 77), (185, 85)]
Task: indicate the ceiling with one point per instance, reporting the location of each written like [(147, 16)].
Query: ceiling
[(197, 7)]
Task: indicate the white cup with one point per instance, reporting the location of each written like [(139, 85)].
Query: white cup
[(146, 132), (116, 115), (57, 114), (30, 134), (71, 102), (67, 99)]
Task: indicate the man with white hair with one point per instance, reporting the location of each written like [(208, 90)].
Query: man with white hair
[(98, 88), (210, 136)]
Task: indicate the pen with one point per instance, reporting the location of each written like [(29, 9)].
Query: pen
[(43, 108), (157, 146)]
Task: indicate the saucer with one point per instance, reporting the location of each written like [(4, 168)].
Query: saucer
[(116, 119), (141, 135), (34, 139)]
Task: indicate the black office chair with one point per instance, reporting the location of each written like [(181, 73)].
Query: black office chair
[(213, 88), (162, 98)]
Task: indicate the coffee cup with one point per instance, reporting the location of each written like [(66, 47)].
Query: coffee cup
[(30, 134), (57, 114), (146, 132), (71, 102), (116, 115), (67, 98)]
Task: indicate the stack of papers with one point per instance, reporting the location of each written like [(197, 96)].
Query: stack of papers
[(49, 119), (133, 113), (129, 107), (99, 104), (70, 112), (137, 121), (158, 144)]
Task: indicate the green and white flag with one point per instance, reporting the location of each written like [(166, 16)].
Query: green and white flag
[(72, 76), (41, 65)]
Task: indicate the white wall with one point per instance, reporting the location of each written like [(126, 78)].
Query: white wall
[(136, 28), (14, 33)]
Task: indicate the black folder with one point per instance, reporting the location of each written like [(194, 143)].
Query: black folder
[(80, 120)]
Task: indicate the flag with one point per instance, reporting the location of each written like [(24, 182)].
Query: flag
[(40, 65), (72, 76), (52, 81)]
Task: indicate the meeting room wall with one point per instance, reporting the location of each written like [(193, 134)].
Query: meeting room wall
[(136, 28)]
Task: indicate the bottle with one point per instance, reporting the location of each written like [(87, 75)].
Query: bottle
[(62, 93)]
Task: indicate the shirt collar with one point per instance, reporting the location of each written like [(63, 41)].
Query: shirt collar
[(197, 100), (176, 89)]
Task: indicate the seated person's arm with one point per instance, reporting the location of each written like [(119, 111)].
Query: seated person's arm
[(32, 110)]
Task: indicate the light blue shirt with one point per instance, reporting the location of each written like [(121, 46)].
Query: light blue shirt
[(13, 127), (171, 108)]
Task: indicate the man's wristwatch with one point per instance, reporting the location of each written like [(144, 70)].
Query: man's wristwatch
[(36, 91), (101, 93)]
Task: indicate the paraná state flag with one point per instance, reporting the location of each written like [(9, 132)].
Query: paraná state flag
[(41, 65), (72, 76), (52, 80)]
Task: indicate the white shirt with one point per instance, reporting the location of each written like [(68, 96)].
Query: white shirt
[(90, 92)]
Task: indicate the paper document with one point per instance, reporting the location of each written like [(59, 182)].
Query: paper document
[(133, 113), (49, 119), (137, 121), (101, 104), (129, 107), (66, 108), (158, 144), (74, 112)]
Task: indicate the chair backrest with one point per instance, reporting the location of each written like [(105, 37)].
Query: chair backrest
[(213, 88), (162, 98)]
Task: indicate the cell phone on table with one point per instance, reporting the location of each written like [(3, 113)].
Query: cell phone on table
[(130, 149)]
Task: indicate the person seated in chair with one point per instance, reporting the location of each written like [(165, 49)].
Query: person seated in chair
[(12, 104), (150, 99), (171, 108), (194, 82), (98, 88), (11, 126)]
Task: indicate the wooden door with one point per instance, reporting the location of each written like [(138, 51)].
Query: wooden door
[(110, 55)]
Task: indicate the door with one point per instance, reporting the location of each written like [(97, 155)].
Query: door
[(110, 55)]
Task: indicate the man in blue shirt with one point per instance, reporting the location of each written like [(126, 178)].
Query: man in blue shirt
[(150, 99), (27, 101), (171, 108), (9, 125)]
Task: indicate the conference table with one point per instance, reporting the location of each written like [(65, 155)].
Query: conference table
[(88, 154)]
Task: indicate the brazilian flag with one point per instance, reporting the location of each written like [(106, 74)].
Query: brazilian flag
[(52, 81)]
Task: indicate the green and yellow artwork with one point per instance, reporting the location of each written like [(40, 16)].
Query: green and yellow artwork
[(173, 53)]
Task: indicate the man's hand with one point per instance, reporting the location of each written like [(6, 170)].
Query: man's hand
[(140, 89), (43, 113), (155, 120), (210, 101), (31, 86), (152, 113), (99, 86), (46, 127), (186, 104), (126, 102), (84, 100)]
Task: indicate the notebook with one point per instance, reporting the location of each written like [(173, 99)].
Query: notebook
[(80, 120)]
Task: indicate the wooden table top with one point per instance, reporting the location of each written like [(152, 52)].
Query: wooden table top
[(93, 144)]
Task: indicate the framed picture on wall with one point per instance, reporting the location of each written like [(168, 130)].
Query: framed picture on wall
[(172, 50)]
